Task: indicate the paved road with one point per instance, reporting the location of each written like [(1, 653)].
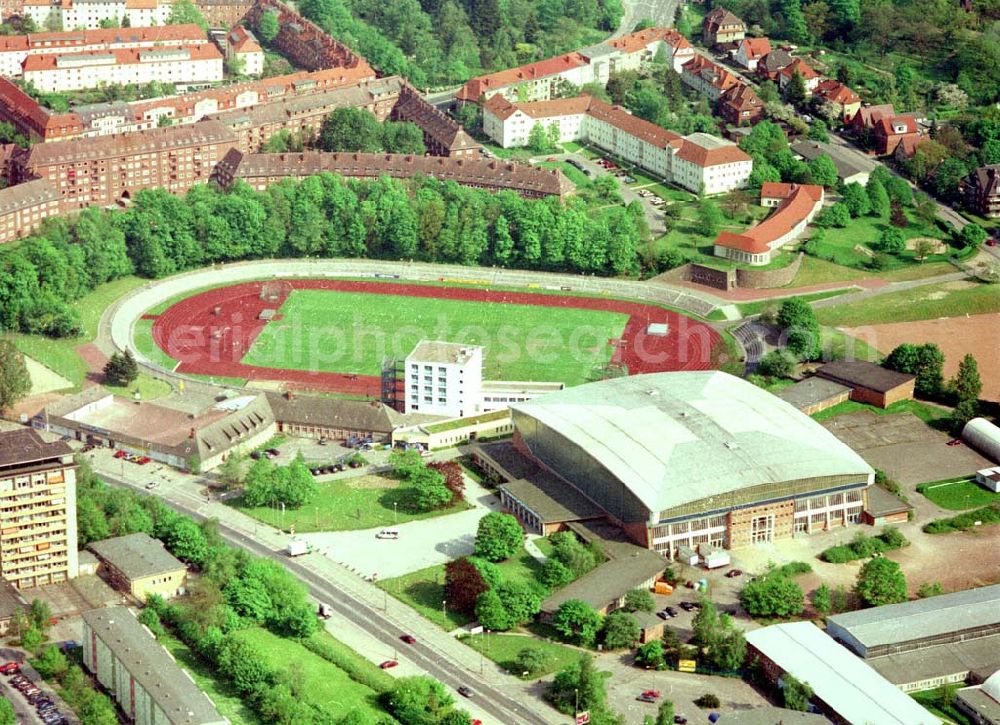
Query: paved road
[(500, 697), (660, 12)]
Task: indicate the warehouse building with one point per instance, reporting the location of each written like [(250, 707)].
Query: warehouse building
[(139, 565), (870, 383), (984, 436), (680, 459), (845, 689), (140, 675)]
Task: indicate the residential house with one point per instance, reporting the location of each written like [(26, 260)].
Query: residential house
[(740, 106), (707, 78), (840, 100), (721, 26), (771, 64), (982, 191), (864, 120), (810, 77), (896, 134), (749, 51), (243, 50)]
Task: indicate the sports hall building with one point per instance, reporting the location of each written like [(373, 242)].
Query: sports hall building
[(677, 459)]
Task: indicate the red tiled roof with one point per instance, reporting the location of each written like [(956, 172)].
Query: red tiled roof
[(781, 190), (802, 67), (648, 132), (755, 47), (122, 56), (836, 92), (641, 38), (799, 202), (242, 41), (720, 16), (716, 154), (740, 97), (103, 37), (25, 111), (556, 107), (885, 124), (476, 87), (500, 107)]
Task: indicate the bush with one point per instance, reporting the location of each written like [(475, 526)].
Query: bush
[(707, 701), (864, 547), (985, 515), (838, 554), (930, 589)]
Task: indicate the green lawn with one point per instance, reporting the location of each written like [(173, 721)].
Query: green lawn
[(841, 243), (942, 707), (60, 355), (142, 338), (819, 271), (927, 413), (755, 308), (959, 495), (228, 702), (920, 303), (347, 504), (544, 544), (504, 648), (149, 388), (320, 682), (837, 345), (351, 332), (570, 172)]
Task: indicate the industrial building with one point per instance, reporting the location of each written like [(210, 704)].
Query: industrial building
[(678, 459), (37, 510), (845, 688), (140, 565), (984, 436), (142, 677)]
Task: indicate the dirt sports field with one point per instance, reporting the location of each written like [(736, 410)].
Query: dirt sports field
[(210, 333), (956, 336)]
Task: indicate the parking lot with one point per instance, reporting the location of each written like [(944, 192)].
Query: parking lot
[(34, 700)]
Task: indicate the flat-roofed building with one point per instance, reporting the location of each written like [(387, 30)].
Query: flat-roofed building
[(443, 378), (981, 703), (140, 565), (845, 688), (37, 510), (141, 676), (870, 383), (920, 623), (852, 167)]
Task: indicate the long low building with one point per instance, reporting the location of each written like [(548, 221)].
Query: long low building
[(682, 459), (141, 676), (90, 14), (311, 416), (698, 162), (262, 170), (845, 689), (795, 205)]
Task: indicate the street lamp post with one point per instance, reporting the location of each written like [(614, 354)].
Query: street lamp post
[(395, 513), (444, 607)]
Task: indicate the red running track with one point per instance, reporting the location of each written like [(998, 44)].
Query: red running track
[(209, 333)]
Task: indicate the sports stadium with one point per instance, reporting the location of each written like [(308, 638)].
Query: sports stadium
[(677, 459)]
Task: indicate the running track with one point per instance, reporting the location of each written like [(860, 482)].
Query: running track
[(209, 333)]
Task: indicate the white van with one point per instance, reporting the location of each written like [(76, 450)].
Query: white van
[(387, 534)]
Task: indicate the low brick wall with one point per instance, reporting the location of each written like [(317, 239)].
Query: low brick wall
[(709, 276), (768, 278)]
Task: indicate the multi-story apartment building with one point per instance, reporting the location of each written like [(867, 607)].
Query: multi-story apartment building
[(721, 26), (243, 50), (982, 191), (89, 14), (24, 206), (443, 378), (181, 65), (37, 510), (104, 170), (14, 49), (700, 163)]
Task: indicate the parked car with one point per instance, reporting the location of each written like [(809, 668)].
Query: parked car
[(120, 453), (646, 698), (151, 485), (408, 638), (680, 720), (388, 664), (10, 668), (663, 615), (733, 573), (688, 606), (955, 442), (991, 242), (465, 691), (670, 611)]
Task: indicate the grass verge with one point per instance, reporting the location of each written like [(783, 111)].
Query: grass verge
[(504, 648), (920, 303), (959, 494)]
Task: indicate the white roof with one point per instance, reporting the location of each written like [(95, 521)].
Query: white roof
[(983, 436), (992, 686), (847, 684), (678, 437)]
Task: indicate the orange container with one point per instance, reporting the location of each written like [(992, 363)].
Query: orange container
[(663, 588)]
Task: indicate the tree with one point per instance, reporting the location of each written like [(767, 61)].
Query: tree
[(818, 132), (621, 630), (351, 129), (800, 327), (897, 215), (772, 595), (463, 585), (531, 660), (578, 686), (796, 694), (822, 600), (268, 27), (51, 663), (430, 493), (795, 91), (837, 215), (881, 581), (186, 541), (231, 471), (948, 178), (403, 138), (665, 713), (890, 241), (923, 248), (823, 171), (555, 574), (520, 600), (243, 663), (972, 235), (878, 198), (538, 139), (856, 199), (419, 700), (151, 619), (967, 385), (650, 655), (706, 624), (639, 600), (777, 364), (709, 218), (185, 12), (491, 612), (577, 621), (925, 361), (498, 537), (39, 614), (121, 370), (15, 382), (31, 639)]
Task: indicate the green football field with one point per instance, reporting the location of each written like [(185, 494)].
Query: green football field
[(351, 333)]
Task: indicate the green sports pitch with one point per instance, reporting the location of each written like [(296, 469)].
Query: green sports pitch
[(352, 332)]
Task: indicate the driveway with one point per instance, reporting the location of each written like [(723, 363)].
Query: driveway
[(421, 543)]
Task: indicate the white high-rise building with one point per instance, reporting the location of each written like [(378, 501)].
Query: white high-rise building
[(444, 378)]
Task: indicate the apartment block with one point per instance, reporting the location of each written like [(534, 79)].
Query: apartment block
[(180, 65), (89, 14), (443, 378), (37, 510), (105, 170), (24, 206)]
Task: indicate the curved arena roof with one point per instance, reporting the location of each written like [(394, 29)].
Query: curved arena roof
[(673, 438)]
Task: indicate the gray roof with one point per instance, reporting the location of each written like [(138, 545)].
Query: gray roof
[(153, 668), (847, 684), (847, 163), (883, 503), (922, 618), (29, 193), (860, 373), (811, 391), (23, 447), (976, 656), (333, 412), (136, 555), (10, 600), (984, 699), (437, 351), (770, 716), (674, 438)]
